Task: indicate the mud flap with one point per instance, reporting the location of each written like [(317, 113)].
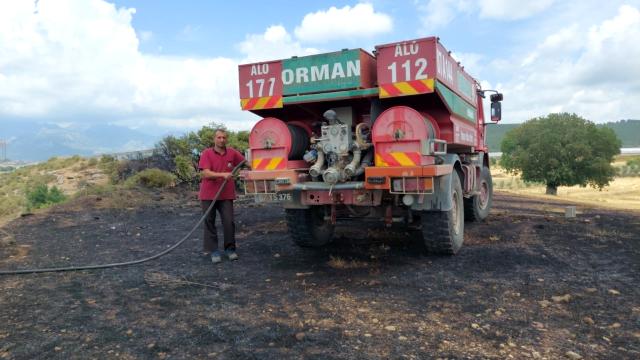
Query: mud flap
[(440, 199)]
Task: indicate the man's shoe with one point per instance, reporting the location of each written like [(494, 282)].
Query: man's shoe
[(231, 255), (215, 257)]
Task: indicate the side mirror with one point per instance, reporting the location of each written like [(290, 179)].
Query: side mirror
[(496, 110), (496, 97)]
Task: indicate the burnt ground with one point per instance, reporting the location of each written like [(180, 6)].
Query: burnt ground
[(527, 284)]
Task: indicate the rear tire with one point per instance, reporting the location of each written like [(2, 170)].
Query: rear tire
[(477, 207), (443, 231), (308, 228)]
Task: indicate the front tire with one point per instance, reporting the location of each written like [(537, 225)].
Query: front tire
[(308, 228), (443, 231), (477, 207)]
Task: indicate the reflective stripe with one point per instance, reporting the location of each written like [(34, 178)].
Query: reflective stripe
[(402, 88), (268, 163), (273, 164), (266, 102), (398, 159), (403, 159)]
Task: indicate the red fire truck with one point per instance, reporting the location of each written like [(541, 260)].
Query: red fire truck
[(396, 137)]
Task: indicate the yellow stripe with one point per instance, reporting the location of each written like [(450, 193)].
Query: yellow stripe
[(428, 83), (402, 158), (261, 103), (255, 163), (380, 162), (243, 102), (279, 103), (383, 93), (274, 163), (405, 88)]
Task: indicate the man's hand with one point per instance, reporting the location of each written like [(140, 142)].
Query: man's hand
[(208, 174)]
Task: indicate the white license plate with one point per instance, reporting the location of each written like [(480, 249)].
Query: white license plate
[(272, 198)]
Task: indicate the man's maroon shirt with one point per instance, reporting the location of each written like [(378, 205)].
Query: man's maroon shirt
[(216, 162)]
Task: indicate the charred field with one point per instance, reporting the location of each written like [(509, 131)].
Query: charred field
[(528, 283)]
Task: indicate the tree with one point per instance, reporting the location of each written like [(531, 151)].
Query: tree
[(561, 150), (183, 153)]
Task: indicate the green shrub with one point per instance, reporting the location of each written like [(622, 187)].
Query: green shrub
[(152, 178), (628, 170), (109, 165), (185, 170), (11, 205), (180, 155), (41, 196)]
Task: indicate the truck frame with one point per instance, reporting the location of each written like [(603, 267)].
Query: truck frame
[(397, 137)]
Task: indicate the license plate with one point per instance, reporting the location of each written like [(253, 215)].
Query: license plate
[(272, 198)]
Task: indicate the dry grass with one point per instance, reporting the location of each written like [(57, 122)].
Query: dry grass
[(72, 175), (342, 264), (159, 278), (622, 193)]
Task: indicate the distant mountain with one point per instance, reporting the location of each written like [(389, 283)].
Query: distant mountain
[(495, 134), (31, 141), (628, 132)]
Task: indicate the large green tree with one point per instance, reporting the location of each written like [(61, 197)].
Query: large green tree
[(561, 150)]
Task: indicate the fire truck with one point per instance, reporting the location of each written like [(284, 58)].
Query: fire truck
[(395, 137)]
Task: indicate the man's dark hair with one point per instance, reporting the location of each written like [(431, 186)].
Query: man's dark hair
[(221, 129)]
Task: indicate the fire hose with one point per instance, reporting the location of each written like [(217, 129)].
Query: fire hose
[(234, 173)]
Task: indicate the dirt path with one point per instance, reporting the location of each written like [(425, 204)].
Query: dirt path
[(527, 284)]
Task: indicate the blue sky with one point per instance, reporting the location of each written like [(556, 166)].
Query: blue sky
[(173, 65)]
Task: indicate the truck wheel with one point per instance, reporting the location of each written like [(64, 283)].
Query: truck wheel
[(443, 231), (308, 228), (478, 206)]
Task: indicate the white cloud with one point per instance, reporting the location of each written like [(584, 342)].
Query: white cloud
[(592, 71), (145, 35), (274, 43), (512, 9), (436, 14), (611, 54), (78, 60), (472, 63), (347, 22)]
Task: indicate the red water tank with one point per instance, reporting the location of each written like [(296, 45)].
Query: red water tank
[(398, 135), (273, 133), (404, 123)]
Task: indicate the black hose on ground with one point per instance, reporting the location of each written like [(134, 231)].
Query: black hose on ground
[(133, 262)]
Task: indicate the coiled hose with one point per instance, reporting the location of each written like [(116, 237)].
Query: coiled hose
[(133, 262)]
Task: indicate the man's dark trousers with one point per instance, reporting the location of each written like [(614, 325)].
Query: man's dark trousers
[(210, 239)]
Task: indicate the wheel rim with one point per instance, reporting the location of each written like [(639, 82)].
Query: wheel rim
[(484, 195)]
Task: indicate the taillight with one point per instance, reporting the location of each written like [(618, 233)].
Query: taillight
[(412, 185), (260, 186)]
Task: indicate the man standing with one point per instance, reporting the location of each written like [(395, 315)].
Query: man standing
[(216, 164)]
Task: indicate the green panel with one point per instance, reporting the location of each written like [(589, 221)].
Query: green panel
[(456, 103), (330, 96), (324, 72), (464, 85)]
